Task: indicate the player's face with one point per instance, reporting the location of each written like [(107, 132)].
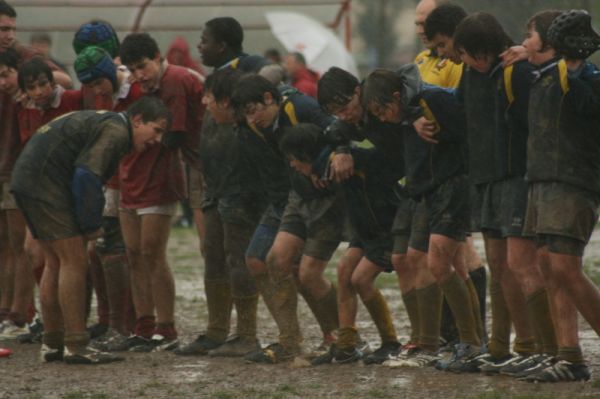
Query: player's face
[(444, 45), (533, 45), (102, 87), (8, 31), (481, 64), (146, 134), (210, 50), (221, 112), (8, 80), (146, 72), (263, 114), (301, 167), (40, 90), (389, 112), (352, 112)]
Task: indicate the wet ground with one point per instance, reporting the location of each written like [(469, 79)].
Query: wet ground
[(163, 375)]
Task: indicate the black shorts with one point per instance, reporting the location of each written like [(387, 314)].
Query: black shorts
[(45, 221), (377, 250), (241, 209), (448, 208), (561, 216), (503, 208), (411, 228)]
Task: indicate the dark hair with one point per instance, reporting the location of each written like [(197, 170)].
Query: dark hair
[(227, 30), (251, 89), (40, 37), (379, 87), (136, 47), (222, 83), (299, 57), (11, 58), (303, 141), (273, 53), (151, 109), (336, 87), (443, 20), (32, 69), (6, 9), (541, 22), (481, 34)]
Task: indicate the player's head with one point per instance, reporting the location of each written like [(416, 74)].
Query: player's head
[(221, 36), (440, 26), (218, 90), (382, 95), (339, 94), (97, 33), (480, 39), (302, 144), (8, 25), (539, 47), (256, 100), (37, 81), (150, 119), (140, 54), (96, 70)]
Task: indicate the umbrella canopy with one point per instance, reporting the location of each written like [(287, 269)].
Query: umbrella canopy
[(321, 48)]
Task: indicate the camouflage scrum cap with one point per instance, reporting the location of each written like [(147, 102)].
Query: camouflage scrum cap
[(97, 33), (93, 63)]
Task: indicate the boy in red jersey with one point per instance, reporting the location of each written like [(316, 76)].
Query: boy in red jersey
[(152, 184)]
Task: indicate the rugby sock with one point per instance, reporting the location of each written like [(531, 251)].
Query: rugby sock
[(380, 313), (325, 309), (499, 344), (572, 355), (167, 330), (411, 304), (219, 303), (285, 301), (476, 313), (524, 346), (246, 308), (457, 294), (144, 326), (116, 275), (479, 278), (77, 341), (100, 288), (54, 339), (347, 338), (429, 300), (538, 310)]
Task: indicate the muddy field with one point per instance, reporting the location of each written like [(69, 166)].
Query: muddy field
[(163, 375)]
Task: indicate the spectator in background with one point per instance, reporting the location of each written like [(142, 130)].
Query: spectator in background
[(273, 55), (179, 54), (301, 77), (42, 43)]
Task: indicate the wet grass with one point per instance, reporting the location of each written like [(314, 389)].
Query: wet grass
[(84, 395)]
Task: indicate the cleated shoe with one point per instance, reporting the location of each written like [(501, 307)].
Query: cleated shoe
[(108, 341), (493, 365), (11, 331), (34, 335), (157, 343), (200, 346), (383, 353), (48, 354), (419, 360), (542, 363), (90, 356), (97, 330), (272, 354), (325, 358), (343, 356), (521, 364), (561, 371), (236, 346), (463, 359), (124, 344)]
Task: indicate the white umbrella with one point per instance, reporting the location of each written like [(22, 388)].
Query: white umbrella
[(321, 48)]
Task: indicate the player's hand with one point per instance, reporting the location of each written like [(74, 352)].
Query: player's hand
[(342, 167), (94, 234), (318, 183), (513, 54), (426, 129)]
